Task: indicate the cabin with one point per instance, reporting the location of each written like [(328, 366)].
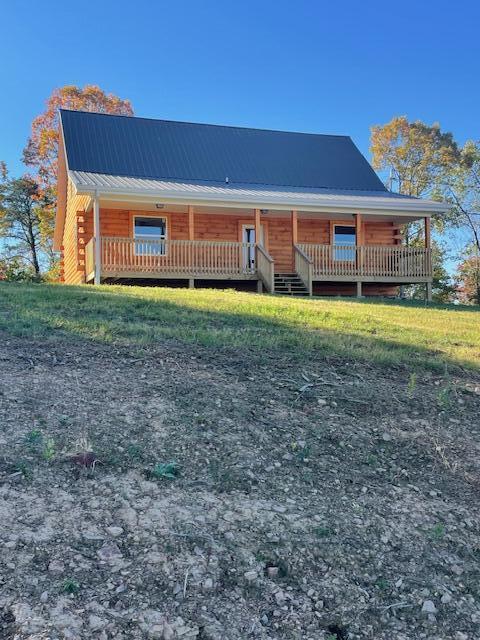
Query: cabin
[(164, 202)]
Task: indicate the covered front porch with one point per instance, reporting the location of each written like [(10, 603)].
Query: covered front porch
[(282, 250)]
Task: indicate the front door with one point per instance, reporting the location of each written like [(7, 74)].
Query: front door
[(248, 235)]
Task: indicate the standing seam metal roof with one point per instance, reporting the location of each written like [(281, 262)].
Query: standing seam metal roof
[(168, 150)]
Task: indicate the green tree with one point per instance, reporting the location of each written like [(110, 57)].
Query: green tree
[(22, 203), (467, 278), (41, 150), (461, 184), (416, 157)]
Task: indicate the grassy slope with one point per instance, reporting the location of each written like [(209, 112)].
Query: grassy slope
[(373, 331)]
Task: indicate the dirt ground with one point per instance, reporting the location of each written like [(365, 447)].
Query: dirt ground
[(329, 501)]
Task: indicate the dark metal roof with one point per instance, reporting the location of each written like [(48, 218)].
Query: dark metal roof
[(166, 150)]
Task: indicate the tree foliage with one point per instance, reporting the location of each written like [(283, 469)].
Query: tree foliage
[(462, 189), (41, 151), (22, 205), (468, 279), (413, 153)]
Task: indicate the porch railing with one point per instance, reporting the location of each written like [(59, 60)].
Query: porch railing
[(369, 261), (265, 268), (195, 258), (303, 267)]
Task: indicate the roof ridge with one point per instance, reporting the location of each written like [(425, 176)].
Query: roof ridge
[(207, 124)]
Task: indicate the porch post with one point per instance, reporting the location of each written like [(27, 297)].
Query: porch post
[(191, 249), (191, 224), (294, 227), (359, 249), (258, 231), (428, 244), (97, 239), (428, 240)]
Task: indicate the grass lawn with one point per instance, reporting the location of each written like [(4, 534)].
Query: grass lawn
[(382, 332)]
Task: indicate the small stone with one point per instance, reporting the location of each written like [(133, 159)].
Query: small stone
[(264, 619), (56, 566), (250, 576), (459, 635), (272, 572), (168, 632), (446, 598), (109, 552), (94, 622), (386, 437), (457, 570), (428, 607), (321, 401), (44, 596), (208, 584), (115, 532)]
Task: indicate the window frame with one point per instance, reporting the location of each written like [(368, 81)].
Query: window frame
[(345, 248), (164, 238)]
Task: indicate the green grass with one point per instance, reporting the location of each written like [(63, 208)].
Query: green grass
[(383, 332)]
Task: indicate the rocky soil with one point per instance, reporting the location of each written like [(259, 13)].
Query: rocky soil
[(331, 500)]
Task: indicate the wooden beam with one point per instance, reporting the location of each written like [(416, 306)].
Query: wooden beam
[(428, 240), (96, 235), (294, 227), (258, 230), (191, 224), (358, 229), (359, 242)]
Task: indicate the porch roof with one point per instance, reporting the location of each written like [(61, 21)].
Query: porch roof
[(253, 195)]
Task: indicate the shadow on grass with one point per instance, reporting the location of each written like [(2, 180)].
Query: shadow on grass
[(264, 326)]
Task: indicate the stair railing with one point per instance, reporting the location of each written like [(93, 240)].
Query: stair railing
[(303, 268), (265, 268)]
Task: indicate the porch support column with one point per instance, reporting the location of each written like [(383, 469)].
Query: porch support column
[(358, 249), (191, 224), (358, 229), (428, 245), (97, 239), (191, 236), (428, 241), (294, 227), (258, 231)]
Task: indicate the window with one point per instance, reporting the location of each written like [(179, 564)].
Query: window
[(146, 230), (343, 238)]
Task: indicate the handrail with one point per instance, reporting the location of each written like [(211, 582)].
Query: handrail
[(370, 261), (304, 267), (188, 258), (265, 268)]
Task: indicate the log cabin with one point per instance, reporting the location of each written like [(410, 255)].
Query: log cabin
[(144, 200)]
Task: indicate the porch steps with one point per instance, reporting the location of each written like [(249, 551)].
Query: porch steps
[(289, 284)]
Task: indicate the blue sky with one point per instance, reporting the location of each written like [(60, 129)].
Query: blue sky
[(327, 67)]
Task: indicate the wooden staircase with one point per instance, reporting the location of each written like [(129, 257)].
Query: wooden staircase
[(289, 284)]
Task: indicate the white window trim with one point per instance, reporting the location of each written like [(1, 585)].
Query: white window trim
[(164, 238), (352, 259)]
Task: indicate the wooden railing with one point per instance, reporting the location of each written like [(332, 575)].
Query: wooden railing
[(395, 261), (303, 267), (189, 258), (265, 268), (90, 259)]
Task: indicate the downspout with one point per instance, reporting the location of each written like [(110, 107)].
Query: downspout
[(97, 239)]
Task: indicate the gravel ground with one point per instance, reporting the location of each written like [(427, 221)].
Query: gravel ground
[(333, 501)]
